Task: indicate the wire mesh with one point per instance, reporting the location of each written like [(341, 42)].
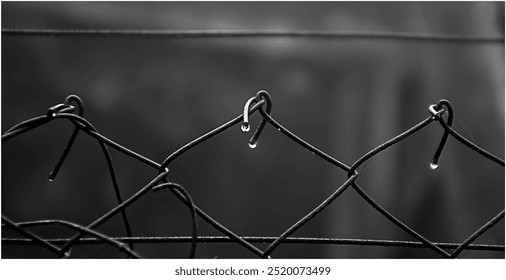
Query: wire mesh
[(261, 103)]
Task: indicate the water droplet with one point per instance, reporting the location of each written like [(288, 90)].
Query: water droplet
[(279, 129), (53, 115), (245, 127), (433, 166), (253, 145), (51, 179)]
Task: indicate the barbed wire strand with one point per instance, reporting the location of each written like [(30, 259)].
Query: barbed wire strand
[(100, 236), (312, 34), (264, 240)]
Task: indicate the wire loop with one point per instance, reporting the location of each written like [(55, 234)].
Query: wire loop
[(80, 111), (245, 127), (442, 106)]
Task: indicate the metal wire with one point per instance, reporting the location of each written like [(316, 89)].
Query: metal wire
[(189, 200), (25, 127), (312, 34), (66, 150), (86, 126), (160, 181), (478, 233), (30, 235), (260, 239), (351, 170), (448, 108), (98, 235)]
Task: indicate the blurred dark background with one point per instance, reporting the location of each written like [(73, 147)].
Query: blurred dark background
[(343, 96)]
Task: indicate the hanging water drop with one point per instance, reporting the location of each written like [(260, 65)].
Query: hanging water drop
[(279, 129), (51, 179), (245, 127), (53, 115), (433, 166), (253, 145)]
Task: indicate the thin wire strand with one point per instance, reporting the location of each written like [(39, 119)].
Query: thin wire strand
[(33, 123), (189, 199), (115, 210), (388, 144), (397, 222), (470, 144), (303, 143), (478, 233), (100, 236), (449, 109), (207, 136), (309, 216), (38, 240), (376, 205), (80, 106), (222, 228), (343, 166), (24, 127), (112, 172), (263, 240), (312, 34)]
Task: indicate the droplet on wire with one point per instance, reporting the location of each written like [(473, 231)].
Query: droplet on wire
[(253, 145), (245, 127), (433, 166)]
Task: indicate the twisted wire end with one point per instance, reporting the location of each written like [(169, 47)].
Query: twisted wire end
[(437, 110)]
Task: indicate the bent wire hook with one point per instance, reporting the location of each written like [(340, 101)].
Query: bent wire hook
[(66, 150), (245, 127), (437, 110)]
